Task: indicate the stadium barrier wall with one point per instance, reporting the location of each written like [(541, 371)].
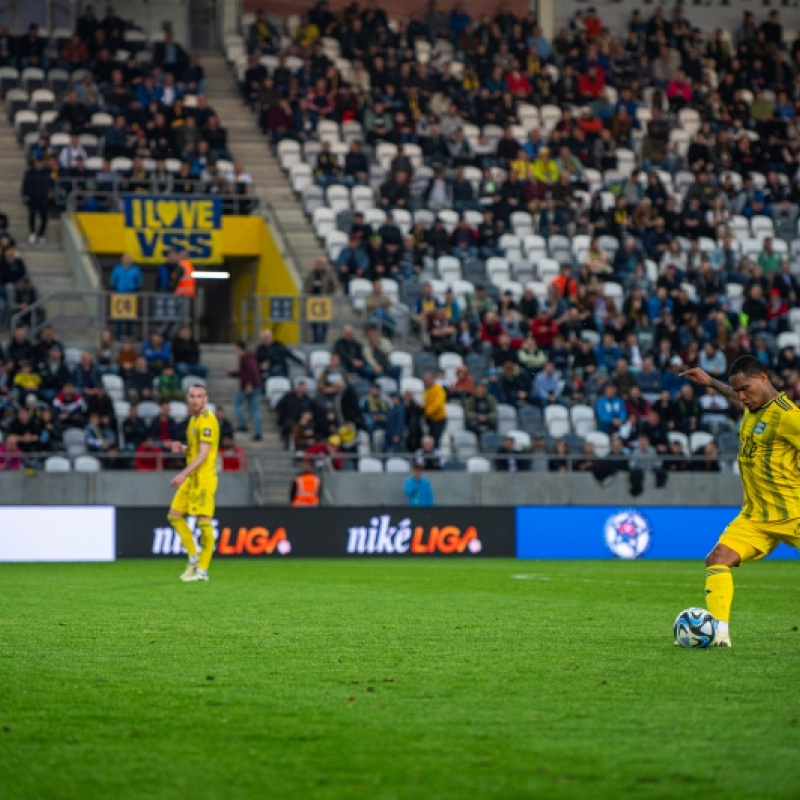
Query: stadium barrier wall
[(57, 533), (534, 488), (329, 532), (110, 488)]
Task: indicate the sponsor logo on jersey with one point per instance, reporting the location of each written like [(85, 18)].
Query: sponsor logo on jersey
[(382, 537), (627, 534)]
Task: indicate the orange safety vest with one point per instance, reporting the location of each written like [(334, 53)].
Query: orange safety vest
[(306, 493), (187, 284)]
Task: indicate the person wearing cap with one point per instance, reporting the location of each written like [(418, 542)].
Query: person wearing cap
[(417, 487), (671, 379), (305, 489)]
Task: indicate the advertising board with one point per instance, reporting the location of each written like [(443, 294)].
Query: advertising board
[(57, 533), (328, 532), (594, 532)]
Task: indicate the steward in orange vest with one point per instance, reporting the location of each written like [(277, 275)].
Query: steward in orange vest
[(186, 284), (306, 487)]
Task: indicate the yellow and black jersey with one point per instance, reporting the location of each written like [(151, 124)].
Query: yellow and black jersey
[(203, 428), (769, 456)]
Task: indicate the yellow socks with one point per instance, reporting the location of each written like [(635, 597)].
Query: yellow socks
[(182, 529), (206, 544), (719, 592)]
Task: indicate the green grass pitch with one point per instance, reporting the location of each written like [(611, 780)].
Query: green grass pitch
[(391, 680)]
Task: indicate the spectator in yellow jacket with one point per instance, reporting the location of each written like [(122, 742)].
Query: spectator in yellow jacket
[(433, 402), (545, 169)]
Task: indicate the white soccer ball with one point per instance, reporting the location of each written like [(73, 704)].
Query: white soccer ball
[(695, 627)]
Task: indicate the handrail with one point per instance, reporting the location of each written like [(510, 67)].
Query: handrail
[(75, 200), (259, 310), (150, 310), (254, 459)]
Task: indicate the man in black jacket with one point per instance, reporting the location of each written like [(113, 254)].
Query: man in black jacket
[(352, 354), (186, 354), (37, 190), (273, 357), (55, 374), (507, 459), (290, 407)]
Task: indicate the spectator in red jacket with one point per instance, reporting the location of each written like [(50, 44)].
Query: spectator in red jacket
[(777, 313), (249, 376), (10, 454), (331, 448), (592, 83), (148, 456), (517, 81), (233, 457), (492, 329), (544, 329)]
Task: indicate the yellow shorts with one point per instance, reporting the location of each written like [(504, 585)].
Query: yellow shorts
[(195, 497), (754, 540)]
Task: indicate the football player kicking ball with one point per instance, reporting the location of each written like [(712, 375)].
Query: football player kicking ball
[(197, 484), (769, 451)]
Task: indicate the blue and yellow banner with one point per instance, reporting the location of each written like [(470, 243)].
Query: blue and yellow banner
[(154, 225)]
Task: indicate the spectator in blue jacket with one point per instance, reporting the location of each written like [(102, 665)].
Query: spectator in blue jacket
[(418, 488), (658, 303), (157, 352), (353, 261), (394, 435), (671, 380), (610, 410), (126, 278), (607, 354)]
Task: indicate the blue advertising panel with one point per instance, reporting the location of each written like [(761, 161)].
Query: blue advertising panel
[(597, 532)]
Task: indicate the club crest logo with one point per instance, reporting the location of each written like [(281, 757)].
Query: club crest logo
[(760, 428), (627, 534)]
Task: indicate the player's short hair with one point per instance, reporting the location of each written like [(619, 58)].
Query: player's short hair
[(749, 366)]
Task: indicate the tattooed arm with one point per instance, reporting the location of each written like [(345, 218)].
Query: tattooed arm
[(701, 378)]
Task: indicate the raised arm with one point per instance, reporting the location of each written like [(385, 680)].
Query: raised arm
[(702, 378)]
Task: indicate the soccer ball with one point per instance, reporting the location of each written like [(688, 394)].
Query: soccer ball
[(695, 627)]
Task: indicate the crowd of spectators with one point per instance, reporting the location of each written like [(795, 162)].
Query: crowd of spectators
[(636, 409), (121, 117), (673, 153), (122, 403)]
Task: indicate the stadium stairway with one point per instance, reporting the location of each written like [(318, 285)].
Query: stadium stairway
[(46, 264), (300, 245), (273, 474), (250, 147)]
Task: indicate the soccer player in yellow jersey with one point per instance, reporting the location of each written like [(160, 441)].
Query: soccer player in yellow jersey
[(197, 484), (769, 464)]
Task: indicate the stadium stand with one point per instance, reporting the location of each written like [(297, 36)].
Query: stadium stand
[(603, 209), (565, 224)]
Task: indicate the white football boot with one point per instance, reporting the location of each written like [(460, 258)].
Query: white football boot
[(197, 575)]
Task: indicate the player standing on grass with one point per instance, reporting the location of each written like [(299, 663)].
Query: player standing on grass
[(197, 484), (769, 464)]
